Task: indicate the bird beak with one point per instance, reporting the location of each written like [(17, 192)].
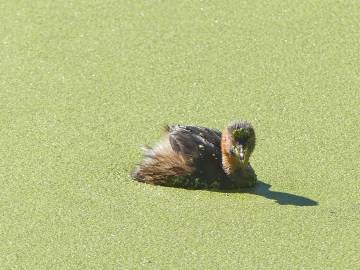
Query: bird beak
[(240, 153)]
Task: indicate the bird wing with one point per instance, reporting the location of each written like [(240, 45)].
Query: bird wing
[(195, 142)]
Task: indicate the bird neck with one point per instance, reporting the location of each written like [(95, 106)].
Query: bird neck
[(230, 164)]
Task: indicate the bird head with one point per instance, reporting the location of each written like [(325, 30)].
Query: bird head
[(237, 144)]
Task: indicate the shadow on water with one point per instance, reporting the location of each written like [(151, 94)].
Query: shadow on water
[(263, 189), (282, 198)]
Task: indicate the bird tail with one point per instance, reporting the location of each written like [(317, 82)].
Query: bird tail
[(159, 166)]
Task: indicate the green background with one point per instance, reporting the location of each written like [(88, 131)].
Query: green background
[(84, 83)]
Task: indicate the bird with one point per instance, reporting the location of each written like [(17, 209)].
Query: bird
[(196, 157)]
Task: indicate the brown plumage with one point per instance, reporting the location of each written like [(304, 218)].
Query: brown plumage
[(199, 157)]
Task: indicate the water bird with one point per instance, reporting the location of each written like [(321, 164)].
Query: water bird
[(202, 158)]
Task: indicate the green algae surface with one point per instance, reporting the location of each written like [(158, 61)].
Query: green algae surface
[(84, 83)]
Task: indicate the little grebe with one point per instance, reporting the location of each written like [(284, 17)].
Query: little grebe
[(199, 157)]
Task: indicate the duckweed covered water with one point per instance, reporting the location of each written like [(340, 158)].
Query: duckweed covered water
[(84, 83)]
